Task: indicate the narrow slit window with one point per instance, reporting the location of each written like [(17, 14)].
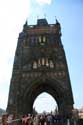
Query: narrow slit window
[(39, 62), (47, 64), (51, 64), (43, 61), (44, 39), (40, 40)]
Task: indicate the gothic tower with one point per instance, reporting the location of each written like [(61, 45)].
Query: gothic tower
[(39, 66)]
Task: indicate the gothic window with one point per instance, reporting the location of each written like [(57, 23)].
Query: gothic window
[(47, 64), (35, 65), (51, 64), (32, 40), (39, 62), (43, 61), (44, 39), (25, 43), (40, 39)]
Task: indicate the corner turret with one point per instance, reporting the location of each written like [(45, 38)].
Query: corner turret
[(25, 26)]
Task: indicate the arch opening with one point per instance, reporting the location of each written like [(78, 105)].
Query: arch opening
[(45, 102), (51, 87)]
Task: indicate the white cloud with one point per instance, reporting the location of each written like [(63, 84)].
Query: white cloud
[(41, 2)]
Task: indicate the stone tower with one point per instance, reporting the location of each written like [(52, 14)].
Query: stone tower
[(39, 66)]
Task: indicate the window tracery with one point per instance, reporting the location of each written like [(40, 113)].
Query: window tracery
[(43, 62)]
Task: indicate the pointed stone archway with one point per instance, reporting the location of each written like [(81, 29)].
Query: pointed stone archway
[(51, 86)]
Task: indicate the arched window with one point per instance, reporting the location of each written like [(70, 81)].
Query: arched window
[(25, 43), (39, 62), (51, 64), (40, 39), (44, 39), (47, 64), (35, 65), (43, 61)]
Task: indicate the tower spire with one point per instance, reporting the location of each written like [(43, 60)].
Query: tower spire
[(25, 25)]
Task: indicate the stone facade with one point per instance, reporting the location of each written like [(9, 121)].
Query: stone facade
[(39, 66)]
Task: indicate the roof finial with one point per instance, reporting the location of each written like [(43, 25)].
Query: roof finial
[(25, 24), (27, 21), (57, 22)]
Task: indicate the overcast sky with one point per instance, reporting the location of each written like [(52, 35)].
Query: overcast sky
[(13, 15)]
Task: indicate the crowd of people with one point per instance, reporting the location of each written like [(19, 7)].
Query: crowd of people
[(36, 119), (30, 119), (42, 119)]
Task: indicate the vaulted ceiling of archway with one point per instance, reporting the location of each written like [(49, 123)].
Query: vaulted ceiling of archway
[(51, 86)]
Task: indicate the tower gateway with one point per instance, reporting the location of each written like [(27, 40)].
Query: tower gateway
[(40, 66)]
